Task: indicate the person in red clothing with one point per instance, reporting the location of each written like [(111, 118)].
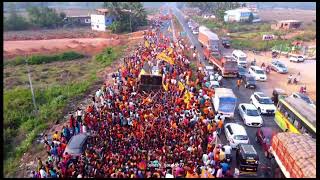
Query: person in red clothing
[(72, 120)]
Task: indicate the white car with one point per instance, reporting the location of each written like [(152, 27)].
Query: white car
[(296, 59), (257, 73), (210, 70), (263, 103), (236, 134), (195, 31), (214, 84), (304, 97), (250, 115)]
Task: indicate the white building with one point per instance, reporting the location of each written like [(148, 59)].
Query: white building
[(237, 15), (101, 20)]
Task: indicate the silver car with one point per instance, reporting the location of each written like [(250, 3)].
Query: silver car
[(77, 145), (279, 67)]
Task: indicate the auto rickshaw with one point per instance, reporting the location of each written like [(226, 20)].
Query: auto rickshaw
[(278, 93)]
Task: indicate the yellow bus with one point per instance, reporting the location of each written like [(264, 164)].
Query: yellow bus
[(295, 115)]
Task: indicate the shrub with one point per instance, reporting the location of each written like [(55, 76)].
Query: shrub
[(41, 59)]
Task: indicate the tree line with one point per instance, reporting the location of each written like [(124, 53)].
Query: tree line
[(217, 8), (38, 17), (129, 16)]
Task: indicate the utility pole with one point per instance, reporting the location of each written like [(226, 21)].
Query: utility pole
[(130, 21), (30, 82)]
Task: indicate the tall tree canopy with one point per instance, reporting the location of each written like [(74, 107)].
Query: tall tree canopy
[(129, 20)]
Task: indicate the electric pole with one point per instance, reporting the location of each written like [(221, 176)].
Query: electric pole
[(30, 82)]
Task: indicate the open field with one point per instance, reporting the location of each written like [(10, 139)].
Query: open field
[(57, 42), (55, 85), (287, 14)]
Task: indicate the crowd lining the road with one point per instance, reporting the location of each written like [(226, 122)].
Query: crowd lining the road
[(170, 132)]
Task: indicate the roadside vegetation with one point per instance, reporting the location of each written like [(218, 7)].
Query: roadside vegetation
[(247, 36), (42, 59), (126, 21), (38, 17), (54, 89)]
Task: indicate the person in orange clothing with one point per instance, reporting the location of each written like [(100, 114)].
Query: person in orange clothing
[(205, 111), (220, 125)]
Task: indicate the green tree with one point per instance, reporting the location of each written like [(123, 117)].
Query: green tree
[(250, 19), (129, 15), (45, 17), (14, 21)]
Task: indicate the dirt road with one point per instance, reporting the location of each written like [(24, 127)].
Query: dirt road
[(307, 70)]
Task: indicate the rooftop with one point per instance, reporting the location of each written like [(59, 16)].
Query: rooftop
[(248, 149), (289, 21), (303, 108)]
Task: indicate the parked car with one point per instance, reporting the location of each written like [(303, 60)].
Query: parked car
[(247, 158), (77, 145), (249, 81), (263, 103), (241, 71), (279, 67), (195, 31), (235, 134), (250, 115), (225, 42), (296, 59), (304, 97), (263, 137), (214, 84), (258, 73)]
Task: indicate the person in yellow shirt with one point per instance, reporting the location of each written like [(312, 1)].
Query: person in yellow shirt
[(56, 136), (222, 155)]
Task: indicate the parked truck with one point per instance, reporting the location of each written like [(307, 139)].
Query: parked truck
[(208, 39), (295, 154), (224, 102), (226, 64)]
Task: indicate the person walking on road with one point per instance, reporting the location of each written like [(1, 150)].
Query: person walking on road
[(220, 125), (238, 83)]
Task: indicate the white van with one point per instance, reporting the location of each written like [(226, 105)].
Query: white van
[(241, 57)]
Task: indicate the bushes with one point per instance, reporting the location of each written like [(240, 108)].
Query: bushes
[(257, 45), (43, 17), (19, 117), (109, 55), (306, 36), (40, 59)]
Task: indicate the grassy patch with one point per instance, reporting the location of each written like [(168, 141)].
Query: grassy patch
[(109, 55), (306, 36), (22, 124), (41, 59), (247, 44)]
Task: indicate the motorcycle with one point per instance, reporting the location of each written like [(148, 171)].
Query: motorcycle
[(268, 69)]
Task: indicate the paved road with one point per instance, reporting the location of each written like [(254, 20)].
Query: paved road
[(193, 39), (243, 95)]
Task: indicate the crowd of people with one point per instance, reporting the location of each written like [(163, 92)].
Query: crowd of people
[(168, 132)]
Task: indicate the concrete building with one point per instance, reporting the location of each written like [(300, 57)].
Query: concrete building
[(84, 20), (237, 15), (101, 20), (286, 25)]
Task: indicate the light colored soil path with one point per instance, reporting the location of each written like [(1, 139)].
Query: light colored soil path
[(307, 70)]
